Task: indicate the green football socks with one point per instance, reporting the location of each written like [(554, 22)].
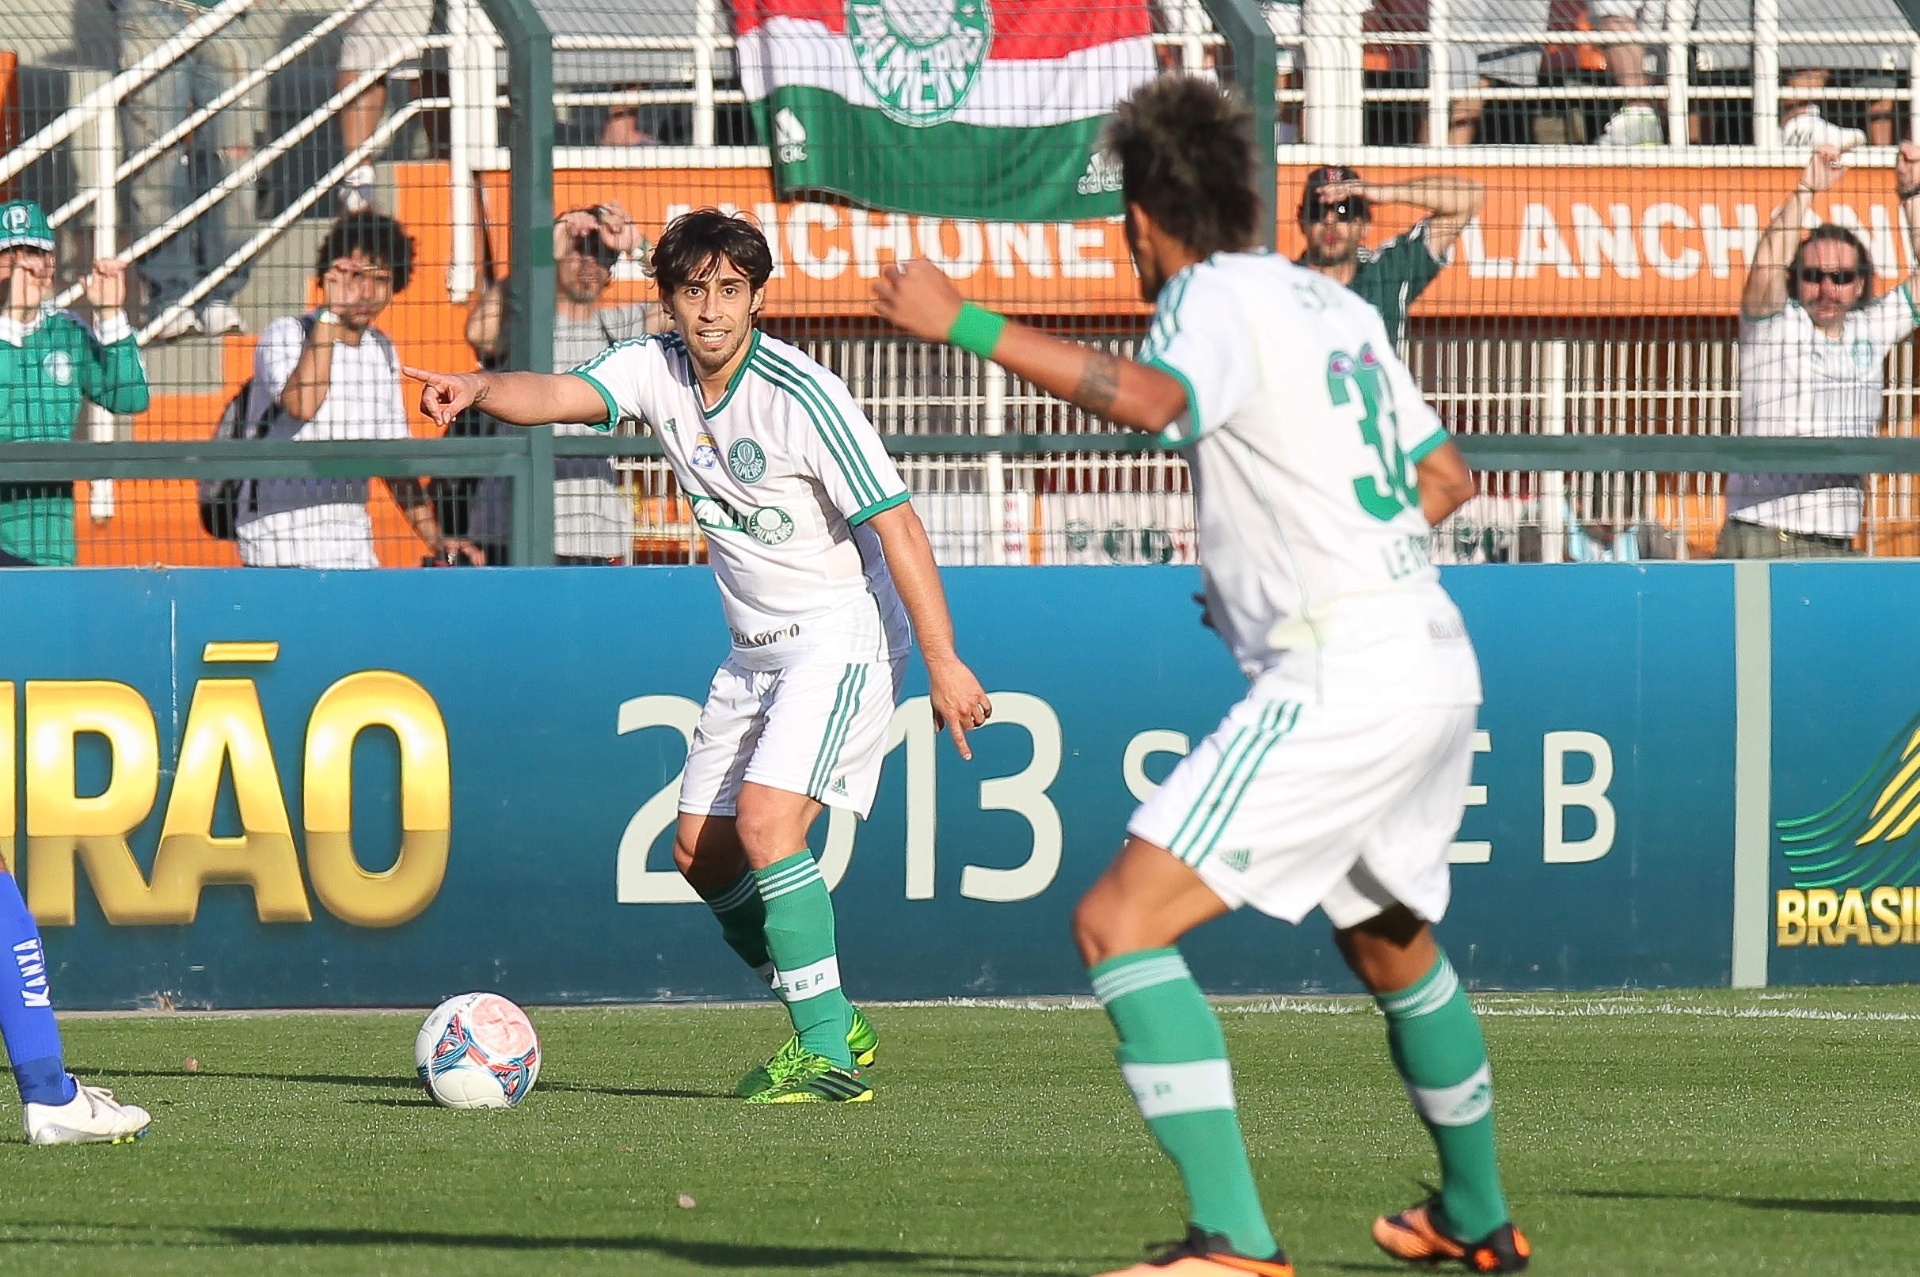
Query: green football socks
[(743, 923), (1436, 1045), (1174, 1058), (799, 938)]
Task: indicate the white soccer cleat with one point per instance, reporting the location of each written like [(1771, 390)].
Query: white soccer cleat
[(1811, 129), (220, 318), (92, 1116), (1634, 125), (180, 323)]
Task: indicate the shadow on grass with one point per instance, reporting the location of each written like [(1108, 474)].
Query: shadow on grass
[(395, 1082), (738, 1256), (1813, 1205)]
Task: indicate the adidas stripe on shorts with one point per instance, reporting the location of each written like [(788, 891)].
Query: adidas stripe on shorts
[(817, 728), (1290, 805)]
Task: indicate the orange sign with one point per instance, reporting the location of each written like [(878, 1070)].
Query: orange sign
[(1550, 242), (1621, 241)]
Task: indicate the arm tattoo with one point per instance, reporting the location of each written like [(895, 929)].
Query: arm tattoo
[(1099, 383)]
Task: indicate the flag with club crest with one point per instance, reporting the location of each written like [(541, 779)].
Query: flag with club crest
[(988, 109)]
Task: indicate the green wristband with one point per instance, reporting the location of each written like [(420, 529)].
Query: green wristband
[(976, 329)]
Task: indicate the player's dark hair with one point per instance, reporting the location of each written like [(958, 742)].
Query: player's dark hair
[(379, 239), (1862, 259), (1186, 156), (694, 243)]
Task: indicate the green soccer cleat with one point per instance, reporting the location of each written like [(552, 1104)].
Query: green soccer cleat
[(861, 1040), (814, 1079)]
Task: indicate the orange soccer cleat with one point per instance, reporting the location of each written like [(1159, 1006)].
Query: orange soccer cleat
[(1204, 1254), (1413, 1235)]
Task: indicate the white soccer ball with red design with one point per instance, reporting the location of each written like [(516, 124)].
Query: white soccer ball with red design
[(477, 1051)]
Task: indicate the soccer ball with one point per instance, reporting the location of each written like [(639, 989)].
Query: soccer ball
[(477, 1051)]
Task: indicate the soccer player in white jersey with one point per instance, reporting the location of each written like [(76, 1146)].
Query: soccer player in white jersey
[(821, 563), (1339, 781)]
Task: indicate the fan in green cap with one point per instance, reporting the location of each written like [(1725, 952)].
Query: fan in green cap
[(52, 362), (24, 225)]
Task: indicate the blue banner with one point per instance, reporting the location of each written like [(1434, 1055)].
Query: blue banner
[(251, 788), (1846, 709)]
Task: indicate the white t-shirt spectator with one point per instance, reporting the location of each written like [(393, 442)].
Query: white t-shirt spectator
[(1795, 380), (318, 523)]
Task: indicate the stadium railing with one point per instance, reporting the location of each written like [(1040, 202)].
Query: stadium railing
[(1566, 341)]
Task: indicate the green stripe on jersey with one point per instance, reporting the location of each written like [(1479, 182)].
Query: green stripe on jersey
[(1426, 447), (613, 409), (1169, 435), (827, 420), (859, 517)]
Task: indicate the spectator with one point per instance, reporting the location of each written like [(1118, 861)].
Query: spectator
[(592, 518), (50, 362), (331, 374), (1636, 123), (367, 43), (1336, 211), (1813, 348), (1805, 68), (224, 143)]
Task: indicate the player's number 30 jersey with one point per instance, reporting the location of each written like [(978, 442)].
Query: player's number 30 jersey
[(1303, 431), (782, 475)]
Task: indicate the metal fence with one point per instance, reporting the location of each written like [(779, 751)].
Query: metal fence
[(1592, 293)]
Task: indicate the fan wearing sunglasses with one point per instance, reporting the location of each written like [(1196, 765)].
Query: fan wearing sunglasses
[(1336, 211), (1813, 350)]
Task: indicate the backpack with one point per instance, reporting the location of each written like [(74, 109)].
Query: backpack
[(220, 498)]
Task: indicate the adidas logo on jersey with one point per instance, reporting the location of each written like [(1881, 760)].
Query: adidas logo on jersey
[(1236, 860), (839, 786)]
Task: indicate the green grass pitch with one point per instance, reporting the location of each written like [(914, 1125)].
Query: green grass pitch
[(1642, 1133)]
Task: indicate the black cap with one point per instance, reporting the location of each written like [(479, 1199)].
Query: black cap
[(1321, 178)]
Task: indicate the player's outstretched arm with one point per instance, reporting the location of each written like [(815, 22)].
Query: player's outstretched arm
[(959, 702), (517, 398), (917, 297)]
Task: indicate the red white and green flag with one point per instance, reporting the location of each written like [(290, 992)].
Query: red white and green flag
[(987, 109)]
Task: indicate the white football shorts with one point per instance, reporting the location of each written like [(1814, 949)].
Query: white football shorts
[(817, 728), (1351, 808)]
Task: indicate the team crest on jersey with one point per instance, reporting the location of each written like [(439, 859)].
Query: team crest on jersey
[(747, 462), (769, 525), (59, 366), (921, 58), (1863, 354), (706, 452)]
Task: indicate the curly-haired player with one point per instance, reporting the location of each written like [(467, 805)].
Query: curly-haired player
[(1338, 781)]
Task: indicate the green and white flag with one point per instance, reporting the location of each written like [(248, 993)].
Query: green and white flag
[(987, 109)]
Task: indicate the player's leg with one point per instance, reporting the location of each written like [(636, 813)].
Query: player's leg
[(706, 850), (1171, 1050), (1380, 914), (801, 941), (56, 1109), (822, 741), (706, 843), (1438, 1048)]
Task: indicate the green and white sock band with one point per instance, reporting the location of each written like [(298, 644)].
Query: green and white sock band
[(798, 876), (1131, 973), (803, 984), (1164, 1090), (1460, 1105), (742, 891), (1433, 991)]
